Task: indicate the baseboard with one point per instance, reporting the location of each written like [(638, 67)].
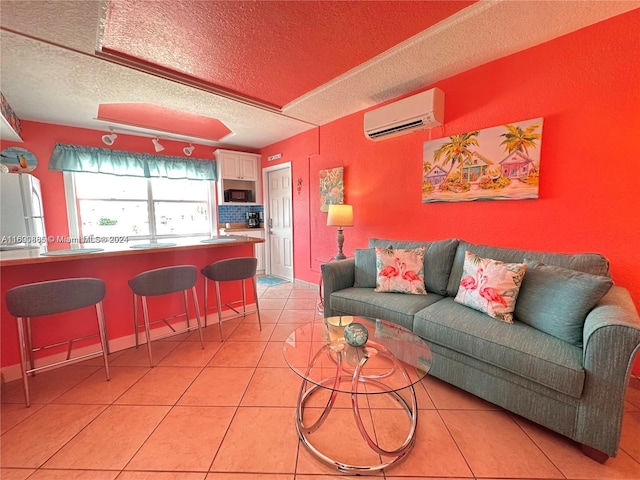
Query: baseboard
[(10, 373), (304, 284)]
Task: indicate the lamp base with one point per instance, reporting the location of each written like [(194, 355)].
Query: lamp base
[(340, 255)]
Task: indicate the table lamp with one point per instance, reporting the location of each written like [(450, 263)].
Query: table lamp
[(340, 216)]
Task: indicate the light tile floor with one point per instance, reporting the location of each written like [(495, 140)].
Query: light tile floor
[(227, 413)]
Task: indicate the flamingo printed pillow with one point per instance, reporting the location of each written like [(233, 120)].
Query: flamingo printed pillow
[(490, 286), (400, 270)]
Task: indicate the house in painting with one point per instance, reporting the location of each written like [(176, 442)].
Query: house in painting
[(517, 165), (435, 176), (475, 167)]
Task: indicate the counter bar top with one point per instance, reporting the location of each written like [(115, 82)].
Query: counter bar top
[(29, 256)]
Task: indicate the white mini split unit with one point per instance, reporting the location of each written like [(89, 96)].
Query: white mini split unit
[(417, 112)]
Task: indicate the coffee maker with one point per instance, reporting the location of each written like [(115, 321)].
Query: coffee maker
[(252, 220)]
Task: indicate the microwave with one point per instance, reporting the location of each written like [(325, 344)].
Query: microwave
[(233, 195)]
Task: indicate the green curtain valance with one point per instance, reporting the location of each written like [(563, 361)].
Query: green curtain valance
[(74, 158)]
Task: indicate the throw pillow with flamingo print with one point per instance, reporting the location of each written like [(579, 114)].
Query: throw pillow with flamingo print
[(400, 270), (490, 286)]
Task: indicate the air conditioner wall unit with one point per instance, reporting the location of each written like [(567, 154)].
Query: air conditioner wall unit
[(417, 112)]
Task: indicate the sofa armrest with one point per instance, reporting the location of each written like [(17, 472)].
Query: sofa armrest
[(611, 338), (336, 276)]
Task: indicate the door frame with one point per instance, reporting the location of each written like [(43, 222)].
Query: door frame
[(266, 191)]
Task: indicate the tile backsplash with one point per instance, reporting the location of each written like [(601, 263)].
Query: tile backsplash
[(237, 213)]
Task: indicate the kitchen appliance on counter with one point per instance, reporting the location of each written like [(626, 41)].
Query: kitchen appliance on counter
[(21, 214), (253, 220), (235, 195)]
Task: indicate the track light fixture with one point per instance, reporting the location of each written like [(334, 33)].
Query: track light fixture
[(157, 145), (109, 139), (188, 150)]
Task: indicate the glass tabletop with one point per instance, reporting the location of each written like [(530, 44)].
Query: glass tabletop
[(392, 359)]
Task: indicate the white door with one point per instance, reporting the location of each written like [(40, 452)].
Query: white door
[(280, 223)]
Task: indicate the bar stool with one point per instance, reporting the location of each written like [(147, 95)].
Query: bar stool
[(50, 298), (162, 281), (229, 270)]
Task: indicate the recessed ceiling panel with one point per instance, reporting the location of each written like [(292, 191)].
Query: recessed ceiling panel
[(162, 119), (272, 52)]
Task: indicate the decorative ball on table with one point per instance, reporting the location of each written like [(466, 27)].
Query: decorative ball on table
[(356, 334)]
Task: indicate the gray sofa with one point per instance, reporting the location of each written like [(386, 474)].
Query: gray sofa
[(575, 388)]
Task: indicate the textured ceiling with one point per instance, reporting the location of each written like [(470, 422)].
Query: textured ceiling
[(52, 68), (272, 52)]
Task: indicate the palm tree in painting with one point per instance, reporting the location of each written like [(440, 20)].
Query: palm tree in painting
[(520, 140), (456, 150)]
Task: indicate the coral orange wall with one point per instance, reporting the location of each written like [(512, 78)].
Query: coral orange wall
[(585, 85)]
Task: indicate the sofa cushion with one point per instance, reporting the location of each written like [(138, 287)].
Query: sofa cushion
[(557, 300), (517, 348), (400, 270), (365, 268), (394, 307), (437, 260), (593, 263), (490, 286)]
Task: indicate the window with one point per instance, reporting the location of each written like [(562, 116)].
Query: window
[(138, 208)]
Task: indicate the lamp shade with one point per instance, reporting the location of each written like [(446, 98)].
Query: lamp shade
[(340, 216)]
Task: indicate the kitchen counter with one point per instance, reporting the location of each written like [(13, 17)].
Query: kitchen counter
[(76, 252), (239, 227), (116, 265)]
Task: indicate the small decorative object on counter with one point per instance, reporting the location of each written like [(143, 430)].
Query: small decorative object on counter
[(356, 334)]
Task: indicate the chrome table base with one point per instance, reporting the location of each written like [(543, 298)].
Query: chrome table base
[(356, 379)]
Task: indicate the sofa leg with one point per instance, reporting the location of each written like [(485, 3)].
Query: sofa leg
[(594, 454)]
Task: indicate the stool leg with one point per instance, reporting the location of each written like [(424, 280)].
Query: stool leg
[(244, 298), (147, 329), (205, 301), (29, 339), (135, 318), (104, 332), (255, 293), (23, 360), (103, 337), (186, 308), (219, 307), (195, 304)]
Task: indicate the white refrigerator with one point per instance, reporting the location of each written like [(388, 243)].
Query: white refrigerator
[(21, 214)]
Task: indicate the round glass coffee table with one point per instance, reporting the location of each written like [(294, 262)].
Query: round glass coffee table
[(391, 362)]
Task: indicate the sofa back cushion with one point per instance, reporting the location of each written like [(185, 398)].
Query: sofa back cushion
[(365, 268), (437, 260), (557, 300), (593, 263)]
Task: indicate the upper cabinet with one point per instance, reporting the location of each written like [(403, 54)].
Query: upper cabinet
[(238, 171), (238, 166)]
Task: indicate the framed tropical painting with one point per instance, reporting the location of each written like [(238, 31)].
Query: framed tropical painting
[(497, 163), (331, 187)]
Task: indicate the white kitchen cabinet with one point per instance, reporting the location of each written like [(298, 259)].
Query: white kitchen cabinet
[(238, 165), (238, 170)]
